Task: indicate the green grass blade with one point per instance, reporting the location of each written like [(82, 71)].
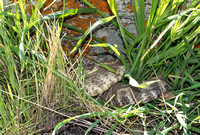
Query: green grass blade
[(139, 16), (158, 39), (81, 31), (68, 12), (152, 15), (95, 123), (21, 45), (22, 6), (165, 131), (136, 14), (192, 87), (2, 110), (88, 115), (113, 7), (1, 10), (11, 67), (114, 23), (114, 49), (195, 129), (112, 128), (153, 131), (100, 22), (142, 17), (190, 49)]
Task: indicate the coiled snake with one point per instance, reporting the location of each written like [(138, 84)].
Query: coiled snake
[(107, 84)]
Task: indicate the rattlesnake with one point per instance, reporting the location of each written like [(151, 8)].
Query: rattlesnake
[(107, 84)]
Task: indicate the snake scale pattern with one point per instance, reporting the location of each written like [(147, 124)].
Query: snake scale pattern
[(107, 84)]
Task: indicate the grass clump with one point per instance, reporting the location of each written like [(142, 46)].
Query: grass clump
[(37, 79)]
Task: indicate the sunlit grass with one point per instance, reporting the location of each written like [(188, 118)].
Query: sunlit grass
[(37, 78)]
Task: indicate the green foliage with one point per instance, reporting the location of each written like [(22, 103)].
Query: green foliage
[(24, 66), (81, 116), (31, 53), (165, 46), (90, 29)]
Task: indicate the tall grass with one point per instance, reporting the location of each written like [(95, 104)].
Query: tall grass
[(36, 75), (37, 78), (162, 48)]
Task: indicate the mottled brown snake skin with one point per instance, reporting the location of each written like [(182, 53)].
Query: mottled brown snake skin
[(107, 84)]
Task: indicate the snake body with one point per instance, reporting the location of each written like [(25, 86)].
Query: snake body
[(100, 80), (124, 94), (107, 84)]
